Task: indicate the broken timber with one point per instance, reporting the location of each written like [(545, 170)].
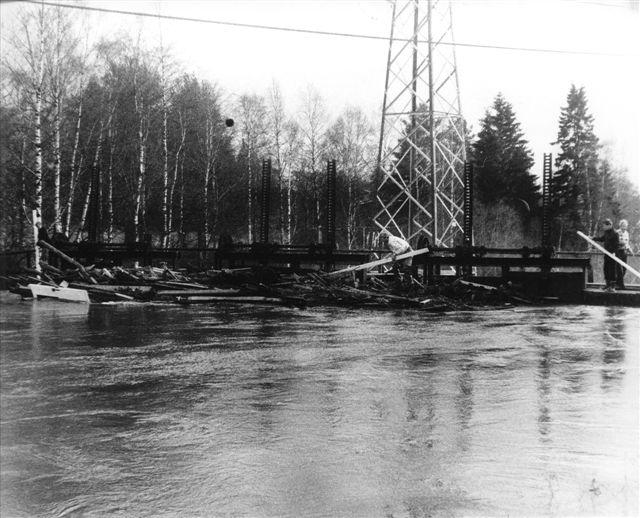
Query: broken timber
[(83, 271), (378, 262)]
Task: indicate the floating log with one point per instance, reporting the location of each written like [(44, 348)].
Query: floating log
[(245, 299), (214, 292), (373, 264), (116, 287)]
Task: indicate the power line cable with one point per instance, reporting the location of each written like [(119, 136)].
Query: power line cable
[(321, 33)]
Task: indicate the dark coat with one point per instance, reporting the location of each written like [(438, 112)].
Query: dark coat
[(610, 240)]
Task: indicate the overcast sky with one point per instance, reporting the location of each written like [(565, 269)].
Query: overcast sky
[(350, 71)]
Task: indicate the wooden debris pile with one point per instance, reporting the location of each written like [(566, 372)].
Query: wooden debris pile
[(265, 285)]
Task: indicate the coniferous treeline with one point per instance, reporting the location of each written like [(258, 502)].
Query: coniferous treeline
[(586, 188), (117, 135)]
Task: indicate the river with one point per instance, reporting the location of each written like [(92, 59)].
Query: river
[(159, 410)]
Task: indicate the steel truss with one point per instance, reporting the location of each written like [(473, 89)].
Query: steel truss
[(422, 138)]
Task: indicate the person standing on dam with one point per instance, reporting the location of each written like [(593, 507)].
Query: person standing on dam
[(611, 243), (624, 249)]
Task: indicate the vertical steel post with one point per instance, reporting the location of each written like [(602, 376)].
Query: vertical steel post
[(265, 209), (546, 200), (330, 237), (468, 204)]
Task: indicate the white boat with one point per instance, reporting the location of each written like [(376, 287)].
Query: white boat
[(59, 293)]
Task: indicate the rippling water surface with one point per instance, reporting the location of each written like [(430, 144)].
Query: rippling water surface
[(150, 410)]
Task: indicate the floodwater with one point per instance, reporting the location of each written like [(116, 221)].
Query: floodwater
[(152, 410)]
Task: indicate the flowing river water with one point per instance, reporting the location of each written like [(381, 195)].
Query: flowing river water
[(159, 410)]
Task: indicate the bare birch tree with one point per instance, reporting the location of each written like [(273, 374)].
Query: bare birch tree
[(176, 162), (351, 142), (164, 88), (61, 64), (253, 114), (27, 70), (313, 119), (141, 109), (83, 64)]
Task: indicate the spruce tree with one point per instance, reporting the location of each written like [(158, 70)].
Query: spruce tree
[(578, 186), (503, 160)]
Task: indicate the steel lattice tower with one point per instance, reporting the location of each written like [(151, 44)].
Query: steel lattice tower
[(422, 137)]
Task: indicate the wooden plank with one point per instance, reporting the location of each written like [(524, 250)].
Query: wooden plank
[(616, 259), (113, 295), (115, 287), (179, 285), (378, 262)]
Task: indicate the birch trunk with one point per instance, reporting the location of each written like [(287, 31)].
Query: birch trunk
[(37, 138), (57, 218), (37, 211), (96, 165), (165, 170), (350, 215), (250, 198), (181, 207), (85, 210), (210, 155), (205, 229), (317, 216), (23, 191), (110, 191), (289, 207), (140, 182), (73, 174), (175, 174), (139, 108)]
